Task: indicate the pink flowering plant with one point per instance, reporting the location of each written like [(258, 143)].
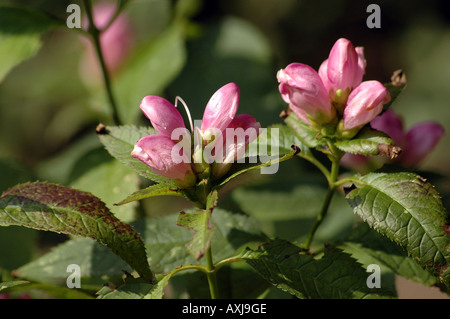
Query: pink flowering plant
[(150, 151)]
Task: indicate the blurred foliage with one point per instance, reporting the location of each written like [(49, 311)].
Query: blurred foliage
[(190, 48)]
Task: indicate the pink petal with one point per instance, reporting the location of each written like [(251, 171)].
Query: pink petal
[(421, 140), (162, 114), (158, 152), (343, 68), (323, 73), (235, 148), (364, 103), (301, 87), (221, 108)]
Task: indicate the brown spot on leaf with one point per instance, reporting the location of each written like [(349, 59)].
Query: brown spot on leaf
[(422, 179), (441, 268), (389, 150), (446, 229)]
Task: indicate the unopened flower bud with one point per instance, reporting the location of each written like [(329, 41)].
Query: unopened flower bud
[(364, 103), (301, 87)]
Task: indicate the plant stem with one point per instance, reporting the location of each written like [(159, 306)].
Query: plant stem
[(211, 275), (95, 34), (319, 165), (326, 204)]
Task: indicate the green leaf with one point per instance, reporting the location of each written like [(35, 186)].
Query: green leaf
[(241, 168), (369, 142), (8, 284), (154, 66), (370, 247), (97, 264), (108, 179), (152, 191), (200, 223), (20, 31), (166, 242), (120, 141), (275, 140), (16, 20), (126, 291), (408, 210), (303, 131), (136, 290), (52, 291), (66, 210), (336, 275)]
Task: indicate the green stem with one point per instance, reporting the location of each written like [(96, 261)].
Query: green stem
[(211, 275), (227, 261), (326, 204), (95, 34)]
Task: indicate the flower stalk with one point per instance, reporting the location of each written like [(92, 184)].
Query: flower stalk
[(95, 36), (326, 204)]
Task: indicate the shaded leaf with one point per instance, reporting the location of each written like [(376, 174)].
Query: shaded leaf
[(20, 31), (200, 223), (370, 247), (153, 67), (336, 275), (152, 191)]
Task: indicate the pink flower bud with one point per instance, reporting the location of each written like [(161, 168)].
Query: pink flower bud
[(301, 87), (162, 114), (345, 66), (221, 108), (420, 141), (364, 103), (165, 158)]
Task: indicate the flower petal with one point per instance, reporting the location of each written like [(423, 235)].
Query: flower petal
[(301, 87), (162, 114), (421, 140), (163, 156), (221, 108), (344, 71), (364, 103)]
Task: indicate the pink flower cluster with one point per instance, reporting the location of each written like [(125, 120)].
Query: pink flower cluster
[(165, 153), (336, 92)]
